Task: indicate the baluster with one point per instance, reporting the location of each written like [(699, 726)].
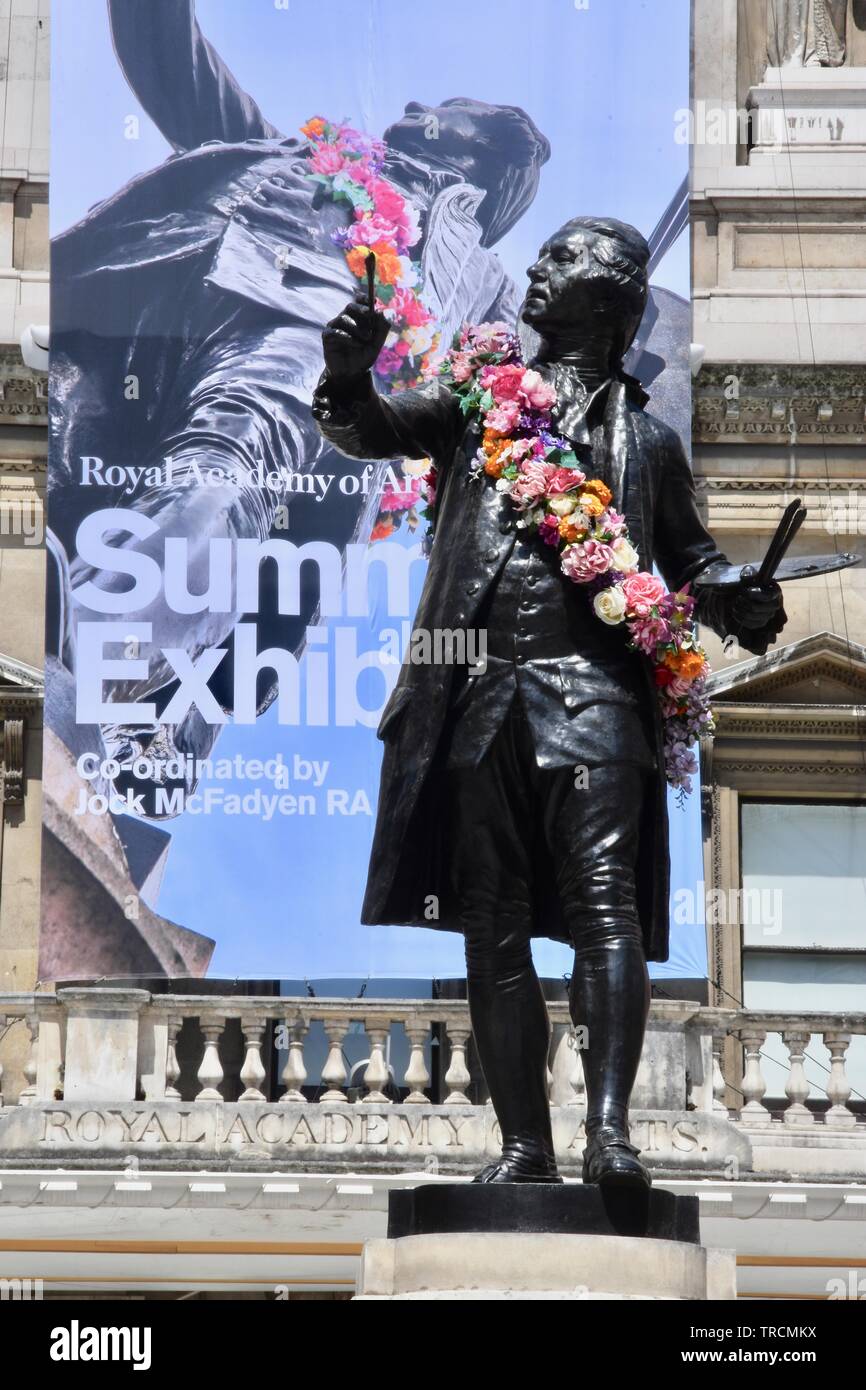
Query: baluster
[(253, 1071), (294, 1072), (172, 1070), (376, 1073), (754, 1113), (417, 1076), (334, 1072), (575, 1074), (210, 1073), (719, 1085), (838, 1085), (457, 1077), (797, 1087), (562, 1089), (28, 1095)]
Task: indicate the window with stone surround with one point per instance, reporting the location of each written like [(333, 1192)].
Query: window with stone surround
[(803, 922)]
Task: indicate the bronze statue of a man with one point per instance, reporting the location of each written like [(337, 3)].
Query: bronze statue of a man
[(480, 809)]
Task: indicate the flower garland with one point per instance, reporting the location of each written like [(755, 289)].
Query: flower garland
[(539, 472), (348, 165), (535, 467)]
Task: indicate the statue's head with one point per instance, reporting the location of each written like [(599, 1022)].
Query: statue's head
[(497, 148), (592, 269)]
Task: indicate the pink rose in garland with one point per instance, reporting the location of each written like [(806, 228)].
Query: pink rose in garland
[(502, 382), (503, 418), (536, 393), (650, 633), (565, 480), (643, 591), (587, 561), (530, 484)]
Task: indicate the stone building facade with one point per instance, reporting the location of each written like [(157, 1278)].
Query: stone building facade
[(24, 66), (779, 298)]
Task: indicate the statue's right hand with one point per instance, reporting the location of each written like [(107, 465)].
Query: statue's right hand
[(353, 340)]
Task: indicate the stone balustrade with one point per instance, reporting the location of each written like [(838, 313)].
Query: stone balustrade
[(117, 1073)]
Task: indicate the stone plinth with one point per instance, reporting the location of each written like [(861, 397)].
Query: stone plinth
[(540, 1241), (809, 111), (488, 1266)]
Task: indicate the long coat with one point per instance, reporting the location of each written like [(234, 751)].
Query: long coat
[(652, 486)]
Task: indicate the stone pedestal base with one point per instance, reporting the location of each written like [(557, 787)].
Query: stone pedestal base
[(810, 112), (537, 1241), (501, 1267)]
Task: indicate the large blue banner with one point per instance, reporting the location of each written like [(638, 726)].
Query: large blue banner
[(229, 598)]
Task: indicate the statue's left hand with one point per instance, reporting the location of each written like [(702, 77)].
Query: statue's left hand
[(757, 612)]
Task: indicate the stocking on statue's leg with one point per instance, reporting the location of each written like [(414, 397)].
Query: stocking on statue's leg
[(594, 834), (512, 1034), (488, 808), (609, 996)]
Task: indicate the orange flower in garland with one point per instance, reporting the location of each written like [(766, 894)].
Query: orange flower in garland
[(572, 531), (590, 503), (686, 663), (598, 489), (495, 449)]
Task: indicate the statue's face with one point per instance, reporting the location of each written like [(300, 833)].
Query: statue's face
[(447, 134), (565, 282)]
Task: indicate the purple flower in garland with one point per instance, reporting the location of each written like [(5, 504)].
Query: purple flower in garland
[(534, 422), (604, 581), (555, 441), (680, 762)]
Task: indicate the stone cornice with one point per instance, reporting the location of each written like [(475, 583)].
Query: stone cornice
[(782, 486), (771, 736), (772, 404), (22, 689), (781, 722), (822, 654), (757, 201), (23, 391)]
